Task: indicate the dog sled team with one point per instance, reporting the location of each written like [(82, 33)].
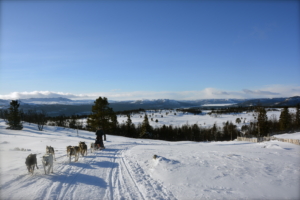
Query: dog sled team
[(49, 157)]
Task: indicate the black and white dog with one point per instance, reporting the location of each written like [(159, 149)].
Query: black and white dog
[(82, 148), (48, 162), (31, 162), (50, 149)]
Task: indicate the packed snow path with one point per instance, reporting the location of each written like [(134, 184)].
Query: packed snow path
[(99, 175)]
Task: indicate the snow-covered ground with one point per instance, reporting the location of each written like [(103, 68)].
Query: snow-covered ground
[(126, 168), (288, 136), (204, 120)]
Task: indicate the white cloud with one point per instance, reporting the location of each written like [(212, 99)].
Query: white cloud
[(40, 94), (270, 91)]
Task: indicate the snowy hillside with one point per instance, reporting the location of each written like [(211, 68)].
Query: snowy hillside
[(126, 168)]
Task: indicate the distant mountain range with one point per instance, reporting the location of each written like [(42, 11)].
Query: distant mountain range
[(57, 106), (290, 101)]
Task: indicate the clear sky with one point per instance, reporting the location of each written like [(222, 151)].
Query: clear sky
[(150, 49)]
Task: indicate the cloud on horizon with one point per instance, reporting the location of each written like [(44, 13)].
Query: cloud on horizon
[(271, 91)]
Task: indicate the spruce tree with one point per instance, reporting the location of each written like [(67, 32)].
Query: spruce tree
[(297, 118), (146, 129), (128, 126), (284, 119), (14, 116), (262, 122), (102, 116)]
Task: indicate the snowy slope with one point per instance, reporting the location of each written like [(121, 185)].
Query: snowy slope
[(126, 169)]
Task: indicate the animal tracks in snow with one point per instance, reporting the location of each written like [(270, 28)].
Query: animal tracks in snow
[(104, 174)]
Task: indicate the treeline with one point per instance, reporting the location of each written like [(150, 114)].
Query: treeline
[(263, 126), (195, 111), (232, 110), (14, 118), (175, 133), (102, 115), (260, 126), (130, 112)]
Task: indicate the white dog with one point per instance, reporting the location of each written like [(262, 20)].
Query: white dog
[(48, 162), (93, 147), (50, 149)]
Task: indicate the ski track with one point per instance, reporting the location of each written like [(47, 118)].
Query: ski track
[(102, 174)]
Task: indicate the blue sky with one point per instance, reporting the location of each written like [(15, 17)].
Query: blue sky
[(149, 49)]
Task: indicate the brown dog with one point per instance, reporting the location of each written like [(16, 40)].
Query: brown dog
[(68, 150)]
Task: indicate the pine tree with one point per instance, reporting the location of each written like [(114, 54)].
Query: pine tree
[(14, 116), (284, 119), (73, 122), (146, 129), (297, 117), (226, 132), (262, 122), (102, 116), (128, 126), (214, 132)]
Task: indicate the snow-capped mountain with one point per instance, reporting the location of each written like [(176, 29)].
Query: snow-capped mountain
[(291, 101), (58, 106)]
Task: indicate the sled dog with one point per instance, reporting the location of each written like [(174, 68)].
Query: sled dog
[(74, 151), (68, 150), (48, 163), (50, 149), (93, 147), (83, 148), (31, 162)]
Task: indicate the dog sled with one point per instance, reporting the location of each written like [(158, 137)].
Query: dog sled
[(99, 141), (99, 145)]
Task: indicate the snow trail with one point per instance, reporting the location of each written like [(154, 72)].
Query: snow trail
[(99, 175)]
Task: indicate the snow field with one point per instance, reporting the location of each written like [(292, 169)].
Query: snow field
[(223, 170), (126, 168), (203, 120)]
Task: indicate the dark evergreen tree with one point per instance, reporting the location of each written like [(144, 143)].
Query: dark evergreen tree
[(14, 116), (284, 119), (214, 132), (128, 127), (196, 132), (146, 129), (73, 122), (102, 116), (297, 117), (262, 122), (226, 134)]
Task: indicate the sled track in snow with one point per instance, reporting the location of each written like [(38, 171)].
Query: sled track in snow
[(102, 174), (153, 189), (131, 182), (123, 182)]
